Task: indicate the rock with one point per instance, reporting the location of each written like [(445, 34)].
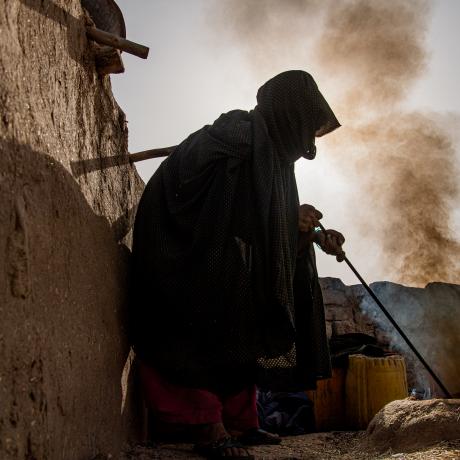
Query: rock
[(409, 425), (344, 327), (343, 314), (335, 292), (339, 313)]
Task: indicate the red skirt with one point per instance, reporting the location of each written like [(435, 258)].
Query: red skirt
[(173, 404)]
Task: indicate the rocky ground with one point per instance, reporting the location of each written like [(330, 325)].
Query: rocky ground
[(322, 446)]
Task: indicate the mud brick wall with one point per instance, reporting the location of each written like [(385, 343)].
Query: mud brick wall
[(343, 314), (65, 383)]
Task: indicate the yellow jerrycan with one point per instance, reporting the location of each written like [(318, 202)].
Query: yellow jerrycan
[(371, 383)]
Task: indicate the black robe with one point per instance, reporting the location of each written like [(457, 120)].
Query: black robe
[(219, 297)]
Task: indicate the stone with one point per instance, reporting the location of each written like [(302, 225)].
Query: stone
[(339, 313), (344, 327), (334, 291)]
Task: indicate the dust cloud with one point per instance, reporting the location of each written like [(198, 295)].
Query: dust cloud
[(402, 166), (376, 48)]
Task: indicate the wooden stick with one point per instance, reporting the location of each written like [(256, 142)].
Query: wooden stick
[(105, 38), (153, 153)]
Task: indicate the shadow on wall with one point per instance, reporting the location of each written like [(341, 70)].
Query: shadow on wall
[(124, 223), (80, 167), (63, 306)]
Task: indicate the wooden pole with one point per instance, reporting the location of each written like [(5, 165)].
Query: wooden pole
[(106, 38), (153, 153)]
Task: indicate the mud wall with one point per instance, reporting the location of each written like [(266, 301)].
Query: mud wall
[(66, 208)]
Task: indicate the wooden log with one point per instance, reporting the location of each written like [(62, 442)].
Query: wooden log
[(106, 38), (153, 153)]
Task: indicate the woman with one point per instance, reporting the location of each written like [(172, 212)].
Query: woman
[(225, 291)]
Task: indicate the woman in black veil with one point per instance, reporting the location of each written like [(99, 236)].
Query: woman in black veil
[(225, 289)]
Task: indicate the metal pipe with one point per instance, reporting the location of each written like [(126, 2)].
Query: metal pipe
[(395, 325)]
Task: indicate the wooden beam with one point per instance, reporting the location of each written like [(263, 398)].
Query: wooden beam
[(105, 38), (153, 153)]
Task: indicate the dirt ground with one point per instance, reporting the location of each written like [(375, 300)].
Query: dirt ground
[(322, 446)]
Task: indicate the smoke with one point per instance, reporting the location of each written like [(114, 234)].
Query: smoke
[(425, 315), (270, 32), (376, 47), (402, 166), (408, 171)]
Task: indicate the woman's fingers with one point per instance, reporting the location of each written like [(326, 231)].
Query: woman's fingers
[(337, 236), (318, 214), (308, 217), (330, 241), (332, 244)]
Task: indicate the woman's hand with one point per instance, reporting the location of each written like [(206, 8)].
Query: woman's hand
[(308, 218), (331, 243)]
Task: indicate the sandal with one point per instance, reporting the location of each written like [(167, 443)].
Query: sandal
[(217, 450), (258, 437)]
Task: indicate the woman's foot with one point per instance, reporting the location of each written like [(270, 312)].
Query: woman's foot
[(214, 442)]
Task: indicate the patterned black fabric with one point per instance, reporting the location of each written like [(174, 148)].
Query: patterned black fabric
[(215, 265), (294, 126)]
